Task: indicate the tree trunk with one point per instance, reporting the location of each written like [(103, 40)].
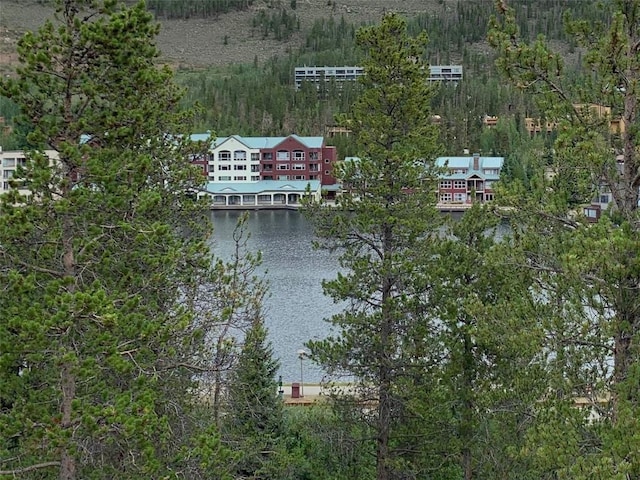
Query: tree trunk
[(383, 467), (67, 376), (68, 384), (624, 355), (627, 318), (383, 471), (466, 427)]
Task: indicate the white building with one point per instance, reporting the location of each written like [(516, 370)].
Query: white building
[(10, 161), (237, 159), (233, 159), (263, 194), (317, 75), (445, 73)]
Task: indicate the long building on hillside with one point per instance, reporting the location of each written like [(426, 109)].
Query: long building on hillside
[(318, 75)]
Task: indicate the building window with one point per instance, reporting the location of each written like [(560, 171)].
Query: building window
[(267, 167), (8, 173), (267, 177), (491, 171), (224, 156), (459, 197), (326, 160), (298, 155), (255, 157), (460, 171), (313, 167), (591, 212), (282, 156), (313, 155), (240, 178), (283, 177), (239, 167), (298, 166), (488, 197), (9, 162), (255, 178), (445, 197), (445, 183), (267, 156), (224, 167), (255, 168), (488, 184), (313, 177), (298, 177), (282, 167), (604, 198), (326, 172), (224, 178), (239, 155), (460, 184)]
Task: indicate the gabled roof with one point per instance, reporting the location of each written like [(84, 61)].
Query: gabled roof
[(492, 162), (200, 137), (260, 142), (309, 142), (218, 142), (467, 162)]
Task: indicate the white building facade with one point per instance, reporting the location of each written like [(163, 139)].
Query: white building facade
[(319, 75), (10, 162), (232, 160)]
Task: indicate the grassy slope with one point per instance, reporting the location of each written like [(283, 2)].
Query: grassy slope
[(201, 42)]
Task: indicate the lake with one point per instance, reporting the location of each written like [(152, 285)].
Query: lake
[(296, 308)]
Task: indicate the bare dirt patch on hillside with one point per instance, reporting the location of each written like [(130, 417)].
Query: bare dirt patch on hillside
[(225, 40)]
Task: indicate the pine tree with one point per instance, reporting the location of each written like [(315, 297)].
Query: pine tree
[(254, 416), (486, 375), (380, 226), (99, 347), (588, 272)]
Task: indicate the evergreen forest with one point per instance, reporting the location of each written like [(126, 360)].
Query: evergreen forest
[(129, 350)]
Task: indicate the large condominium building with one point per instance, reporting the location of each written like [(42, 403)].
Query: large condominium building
[(251, 159), (317, 75)]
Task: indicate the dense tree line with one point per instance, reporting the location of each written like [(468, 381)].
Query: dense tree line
[(275, 108), (278, 23), (195, 8), (259, 99)]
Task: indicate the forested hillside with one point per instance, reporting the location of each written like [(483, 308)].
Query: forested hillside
[(248, 89)]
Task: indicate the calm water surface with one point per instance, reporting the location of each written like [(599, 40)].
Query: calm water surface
[(296, 308)]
